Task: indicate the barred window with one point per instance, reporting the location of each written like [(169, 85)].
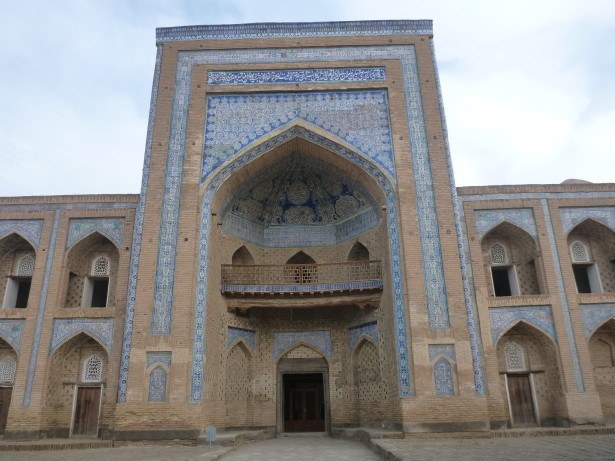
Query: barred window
[(100, 267), (8, 365), (578, 250), (514, 355), (25, 266), (498, 254), (92, 369)]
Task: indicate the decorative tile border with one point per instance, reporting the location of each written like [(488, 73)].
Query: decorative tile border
[(445, 350), (355, 334), (136, 241), (304, 288), (594, 315), (521, 217), (573, 216), (99, 329), (476, 346), (11, 331), (296, 29), (40, 316), (321, 340), (259, 77), (236, 334), (502, 318), (161, 357), (112, 228), (198, 354), (31, 229), (572, 343)]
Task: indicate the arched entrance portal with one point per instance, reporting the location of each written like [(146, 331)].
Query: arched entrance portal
[(8, 365), (601, 351), (303, 391)]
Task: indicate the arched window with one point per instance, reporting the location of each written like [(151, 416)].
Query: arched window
[(100, 267), (443, 377), (579, 253), (514, 357), (158, 385), (8, 365), (358, 252), (25, 266), (498, 254), (92, 370), (242, 257)]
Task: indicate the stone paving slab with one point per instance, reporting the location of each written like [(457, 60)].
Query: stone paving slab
[(564, 448)]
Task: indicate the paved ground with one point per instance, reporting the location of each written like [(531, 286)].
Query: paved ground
[(564, 448)]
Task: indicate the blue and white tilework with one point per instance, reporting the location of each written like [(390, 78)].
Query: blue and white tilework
[(40, 316), (377, 174), (443, 378), (445, 350), (136, 240), (503, 318), (31, 229), (157, 385), (573, 216), (572, 342), (158, 357), (112, 228), (467, 276), (298, 29), (594, 315), (64, 329), (360, 118), (11, 331), (367, 330), (284, 341), (236, 334), (259, 77), (521, 217)]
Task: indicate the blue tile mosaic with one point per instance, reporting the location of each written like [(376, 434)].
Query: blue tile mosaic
[(359, 117), (445, 350), (574, 216), (503, 318), (112, 228), (467, 276), (40, 316), (11, 331), (443, 378), (157, 389), (572, 343), (30, 229), (99, 329), (594, 315), (236, 334), (367, 330), (285, 341), (259, 77), (160, 357), (136, 241), (521, 217), (296, 29)]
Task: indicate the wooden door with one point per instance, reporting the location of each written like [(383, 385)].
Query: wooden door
[(5, 403), (87, 408), (304, 407), (521, 402)]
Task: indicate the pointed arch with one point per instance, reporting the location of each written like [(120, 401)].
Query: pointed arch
[(284, 353), (18, 235), (242, 257), (358, 252), (366, 363), (444, 380), (65, 330), (158, 383), (301, 258), (529, 323)]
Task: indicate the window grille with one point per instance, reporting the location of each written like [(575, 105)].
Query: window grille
[(578, 250), (514, 356), (8, 365), (498, 254), (25, 266), (100, 267), (92, 370)]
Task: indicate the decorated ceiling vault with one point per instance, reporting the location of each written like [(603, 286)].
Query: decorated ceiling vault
[(300, 260)]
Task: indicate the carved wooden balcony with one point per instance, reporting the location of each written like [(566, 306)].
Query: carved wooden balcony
[(352, 283)]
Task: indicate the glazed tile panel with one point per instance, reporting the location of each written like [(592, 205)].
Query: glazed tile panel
[(594, 315), (521, 217), (64, 329), (259, 77), (502, 318), (112, 228), (11, 331), (31, 229)]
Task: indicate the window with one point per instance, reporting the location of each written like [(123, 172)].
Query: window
[(498, 254), (587, 278), (18, 285), (92, 370), (8, 364), (503, 275), (579, 253), (25, 266), (514, 356), (96, 287)]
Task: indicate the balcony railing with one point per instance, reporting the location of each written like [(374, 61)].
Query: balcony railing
[(301, 278)]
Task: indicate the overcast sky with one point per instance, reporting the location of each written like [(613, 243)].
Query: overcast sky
[(529, 86)]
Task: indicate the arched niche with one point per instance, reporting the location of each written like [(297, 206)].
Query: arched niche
[(17, 260), (602, 355), (242, 257), (358, 252), (300, 258)]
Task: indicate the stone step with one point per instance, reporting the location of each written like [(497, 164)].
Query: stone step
[(553, 431), (54, 444)]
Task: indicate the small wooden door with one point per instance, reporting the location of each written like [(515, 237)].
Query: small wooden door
[(304, 407), (521, 403), (5, 403), (87, 408)]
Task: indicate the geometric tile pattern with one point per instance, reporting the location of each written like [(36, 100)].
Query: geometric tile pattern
[(521, 217), (236, 334), (594, 315), (112, 228), (31, 229), (446, 350), (367, 330), (135, 254), (11, 331), (443, 378), (259, 77), (99, 329), (503, 318), (157, 385), (576, 215), (284, 341), (467, 277), (162, 357), (298, 29)]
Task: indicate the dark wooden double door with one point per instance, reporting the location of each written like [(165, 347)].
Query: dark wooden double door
[(87, 410), (5, 403), (304, 402), (521, 401)]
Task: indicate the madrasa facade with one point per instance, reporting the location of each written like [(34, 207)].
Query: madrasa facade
[(300, 260)]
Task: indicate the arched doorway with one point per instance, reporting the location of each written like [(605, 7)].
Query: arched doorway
[(602, 354), (8, 366)]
